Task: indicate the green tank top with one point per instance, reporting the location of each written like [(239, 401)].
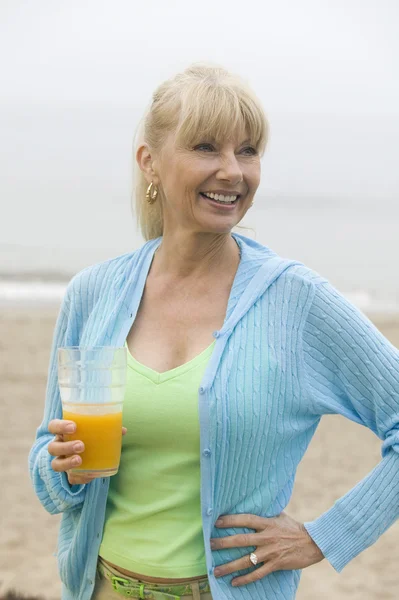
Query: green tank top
[(153, 523)]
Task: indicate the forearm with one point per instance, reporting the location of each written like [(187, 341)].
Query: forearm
[(359, 518)]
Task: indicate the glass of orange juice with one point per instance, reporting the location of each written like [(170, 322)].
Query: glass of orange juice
[(92, 384)]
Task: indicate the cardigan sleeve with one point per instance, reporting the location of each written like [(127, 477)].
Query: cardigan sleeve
[(353, 370), (52, 488)]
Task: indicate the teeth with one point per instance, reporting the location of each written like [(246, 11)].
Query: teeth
[(220, 197)]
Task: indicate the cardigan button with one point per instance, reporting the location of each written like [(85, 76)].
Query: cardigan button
[(216, 334), (207, 452), (202, 390), (209, 511)]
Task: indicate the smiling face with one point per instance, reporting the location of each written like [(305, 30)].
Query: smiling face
[(207, 186)]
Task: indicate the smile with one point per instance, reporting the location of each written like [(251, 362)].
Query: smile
[(219, 198)]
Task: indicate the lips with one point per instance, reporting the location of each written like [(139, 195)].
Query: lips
[(220, 206), (219, 202)]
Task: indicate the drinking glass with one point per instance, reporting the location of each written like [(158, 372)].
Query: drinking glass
[(92, 383)]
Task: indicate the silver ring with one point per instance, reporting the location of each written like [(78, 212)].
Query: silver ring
[(253, 558)]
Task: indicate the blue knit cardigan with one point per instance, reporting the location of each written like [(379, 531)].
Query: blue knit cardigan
[(291, 349)]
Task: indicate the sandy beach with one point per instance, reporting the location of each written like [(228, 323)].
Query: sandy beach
[(340, 454)]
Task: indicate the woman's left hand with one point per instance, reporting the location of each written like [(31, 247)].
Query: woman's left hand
[(281, 544)]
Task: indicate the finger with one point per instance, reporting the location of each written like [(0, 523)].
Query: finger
[(76, 479), (231, 567), (65, 464), (235, 541), (242, 520), (255, 575), (60, 448), (124, 431), (61, 427)]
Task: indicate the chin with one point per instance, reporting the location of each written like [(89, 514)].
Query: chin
[(221, 229)]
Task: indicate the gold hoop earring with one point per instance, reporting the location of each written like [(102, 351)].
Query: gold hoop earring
[(151, 196)]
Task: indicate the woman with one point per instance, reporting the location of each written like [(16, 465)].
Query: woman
[(234, 356)]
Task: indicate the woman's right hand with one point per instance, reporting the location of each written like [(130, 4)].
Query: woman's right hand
[(67, 453)]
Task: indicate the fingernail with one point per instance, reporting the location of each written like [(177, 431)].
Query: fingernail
[(219, 522), (79, 447), (213, 544), (76, 460), (70, 428)]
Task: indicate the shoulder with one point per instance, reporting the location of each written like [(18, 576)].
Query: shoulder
[(304, 274), (322, 297), (100, 278), (255, 252)]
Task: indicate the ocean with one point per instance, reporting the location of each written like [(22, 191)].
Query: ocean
[(354, 243)]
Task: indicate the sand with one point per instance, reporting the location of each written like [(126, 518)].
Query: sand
[(341, 453)]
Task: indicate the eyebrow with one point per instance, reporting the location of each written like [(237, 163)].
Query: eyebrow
[(247, 141), (213, 139)]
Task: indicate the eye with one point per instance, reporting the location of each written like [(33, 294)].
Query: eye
[(251, 150), (206, 147), (202, 146)]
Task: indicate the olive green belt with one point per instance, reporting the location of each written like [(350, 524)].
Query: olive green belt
[(134, 588)]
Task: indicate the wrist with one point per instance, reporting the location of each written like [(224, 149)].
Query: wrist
[(316, 554)]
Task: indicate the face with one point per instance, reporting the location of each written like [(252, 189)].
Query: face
[(206, 188)]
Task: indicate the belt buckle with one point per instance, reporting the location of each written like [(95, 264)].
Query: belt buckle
[(118, 581)]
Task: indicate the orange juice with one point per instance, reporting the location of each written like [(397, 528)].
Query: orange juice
[(102, 437)]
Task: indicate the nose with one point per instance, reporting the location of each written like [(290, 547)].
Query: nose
[(230, 169)]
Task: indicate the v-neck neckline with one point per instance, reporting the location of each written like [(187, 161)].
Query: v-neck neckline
[(157, 377)]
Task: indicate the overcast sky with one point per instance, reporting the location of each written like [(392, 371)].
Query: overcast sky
[(76, 77)]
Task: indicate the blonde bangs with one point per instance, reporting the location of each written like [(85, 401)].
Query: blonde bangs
[(220, 112)]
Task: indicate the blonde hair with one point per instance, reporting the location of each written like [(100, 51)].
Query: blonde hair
[(202, 102)]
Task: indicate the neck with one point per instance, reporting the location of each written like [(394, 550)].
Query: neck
[(188, 256)]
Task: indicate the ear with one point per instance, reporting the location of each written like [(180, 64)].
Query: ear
[(146, 163)]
